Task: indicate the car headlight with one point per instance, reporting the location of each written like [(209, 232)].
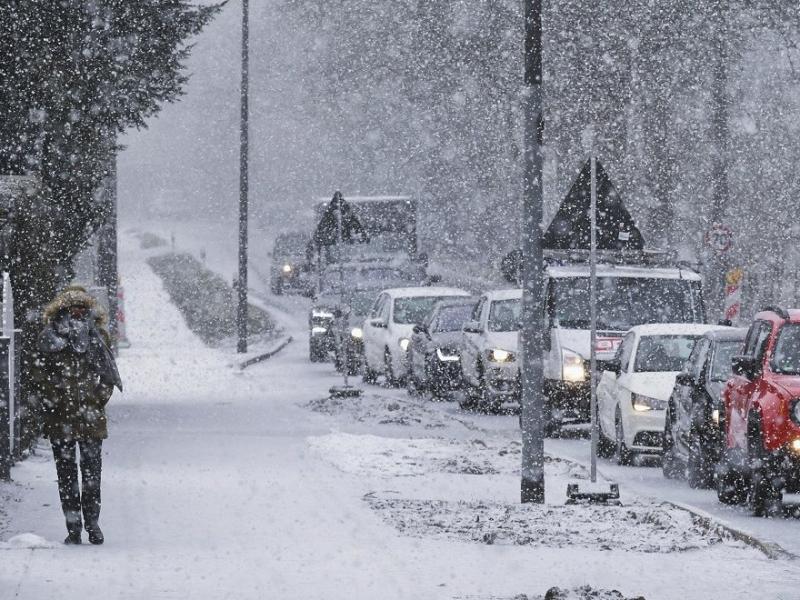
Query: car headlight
[(316, 330), (572, 366), (715, 416), (794, 410), (319, 313), (499, 355), (447, 355), (403, 344), (642, 403), (357, 332), (287, 269)]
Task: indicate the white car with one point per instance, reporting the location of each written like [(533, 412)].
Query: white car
[(490, 356), (634, 389), (388, 328)]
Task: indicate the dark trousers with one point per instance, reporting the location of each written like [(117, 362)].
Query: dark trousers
[(91, 461)]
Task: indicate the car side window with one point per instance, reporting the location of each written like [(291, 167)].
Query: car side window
[(694, 365), (376, 308), (385, 309), (476, 313), (625, 351), (757, 337)]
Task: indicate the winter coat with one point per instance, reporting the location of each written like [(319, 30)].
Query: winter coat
[(76, 372)]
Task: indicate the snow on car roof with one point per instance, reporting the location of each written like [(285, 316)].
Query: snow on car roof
[(675, 329), (507, 294), (406, 292), (606, 270)]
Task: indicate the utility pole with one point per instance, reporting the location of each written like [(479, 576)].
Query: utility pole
[(241, 313), (532, 341)]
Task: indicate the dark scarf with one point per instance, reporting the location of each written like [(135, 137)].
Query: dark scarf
[(80, 336)]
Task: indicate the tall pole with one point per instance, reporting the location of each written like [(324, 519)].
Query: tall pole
[(532, 340), (107, 269), (593, 313), (241, 313)]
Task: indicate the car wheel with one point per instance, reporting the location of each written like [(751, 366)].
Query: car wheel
[(730, 485), (622, 455), (316, 352), (765, 497), (605, 446), (670, 464), (392, 380), (699, 469)]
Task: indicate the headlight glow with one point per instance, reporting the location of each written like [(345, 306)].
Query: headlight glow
[(715, 416), (403, 344), (642, 403), (357, 332), (795, 446), (447, 356), (572, 367), (287, 268), (318, 330), (499, 355)]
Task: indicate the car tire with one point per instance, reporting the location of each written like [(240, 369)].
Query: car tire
[(605, 446), (730, 485), (391, 380), (622, 455), (316, 352), (765, 497), (671, 466), (699, 469)]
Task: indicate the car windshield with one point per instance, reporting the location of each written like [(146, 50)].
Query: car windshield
[(452, 318), (623, 302), (721, 365), (290, 245), (661, 353), (505, 315), (361, 302), (786, 356), (408, 311), (371, 278)]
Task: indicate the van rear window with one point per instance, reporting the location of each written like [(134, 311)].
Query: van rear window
[(623, 302)]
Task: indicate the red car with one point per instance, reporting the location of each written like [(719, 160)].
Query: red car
[(761, 455)]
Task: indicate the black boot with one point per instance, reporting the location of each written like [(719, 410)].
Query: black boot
[(74, 527), (95, 534)]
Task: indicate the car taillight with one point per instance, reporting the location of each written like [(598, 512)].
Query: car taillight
[(607, 344)]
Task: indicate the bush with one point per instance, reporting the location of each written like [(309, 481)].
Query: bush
[(206, 301)]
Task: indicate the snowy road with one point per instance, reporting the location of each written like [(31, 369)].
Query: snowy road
[(223, 484)]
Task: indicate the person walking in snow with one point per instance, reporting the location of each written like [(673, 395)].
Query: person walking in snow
[(77, 375)]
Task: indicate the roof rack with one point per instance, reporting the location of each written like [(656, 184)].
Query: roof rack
[(782, 313), (660, 258)]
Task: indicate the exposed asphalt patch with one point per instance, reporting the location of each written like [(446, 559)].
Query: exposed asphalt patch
[(636, 527), (584, 592), (380, 410)]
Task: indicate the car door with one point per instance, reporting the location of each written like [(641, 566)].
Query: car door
[(740, 388), (608, 384), (685, 393), (420, 343), (471, 348), (372, 348)]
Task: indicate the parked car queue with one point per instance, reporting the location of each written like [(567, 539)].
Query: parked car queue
[(720, 405)]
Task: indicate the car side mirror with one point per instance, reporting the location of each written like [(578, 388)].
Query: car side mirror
[(684, 378), (472, 327), (746, 366), (378, 323), (419, 328)]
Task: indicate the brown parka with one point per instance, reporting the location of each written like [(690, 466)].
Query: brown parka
[(73, 394)]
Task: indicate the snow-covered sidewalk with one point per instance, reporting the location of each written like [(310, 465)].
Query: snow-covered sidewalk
[(227, 484)]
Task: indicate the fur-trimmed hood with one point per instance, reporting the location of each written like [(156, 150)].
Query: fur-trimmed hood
[(75, 295)]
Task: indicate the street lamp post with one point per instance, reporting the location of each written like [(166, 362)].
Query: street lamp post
[(241, 313), (532, 342)]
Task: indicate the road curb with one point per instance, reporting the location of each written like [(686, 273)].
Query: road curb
[(266, 355), (771, 550)]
